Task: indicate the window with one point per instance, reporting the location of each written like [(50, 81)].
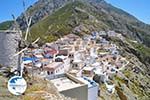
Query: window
[(48, 73), (52, 72)]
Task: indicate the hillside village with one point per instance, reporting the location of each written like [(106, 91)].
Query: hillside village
[(91, 60), (76, 50)]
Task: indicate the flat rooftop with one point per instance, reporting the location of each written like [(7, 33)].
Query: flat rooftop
[(65, 82), (53, 65)]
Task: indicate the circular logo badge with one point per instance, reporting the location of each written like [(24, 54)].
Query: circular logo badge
[(17, 85)]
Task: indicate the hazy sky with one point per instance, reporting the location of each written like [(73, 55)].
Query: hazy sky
[(138, 8), (9, 7)]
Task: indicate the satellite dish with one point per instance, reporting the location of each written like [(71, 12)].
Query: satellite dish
[(17, 85)]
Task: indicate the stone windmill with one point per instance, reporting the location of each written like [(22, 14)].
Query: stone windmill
[(12, 42), (9, 41)]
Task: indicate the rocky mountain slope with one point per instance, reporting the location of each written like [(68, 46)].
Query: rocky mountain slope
[(52, 19), (133, 83), (106, 14)]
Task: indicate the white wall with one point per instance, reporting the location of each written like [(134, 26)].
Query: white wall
[(93, 93)]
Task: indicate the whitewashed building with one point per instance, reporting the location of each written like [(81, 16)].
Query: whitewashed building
[(93, 88), (54, 68)]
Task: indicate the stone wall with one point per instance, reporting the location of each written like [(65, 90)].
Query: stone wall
[(8, 47)]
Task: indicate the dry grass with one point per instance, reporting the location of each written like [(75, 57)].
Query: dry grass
[(38, 89)]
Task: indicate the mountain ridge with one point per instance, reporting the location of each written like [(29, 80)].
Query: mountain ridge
[(117, 19)]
